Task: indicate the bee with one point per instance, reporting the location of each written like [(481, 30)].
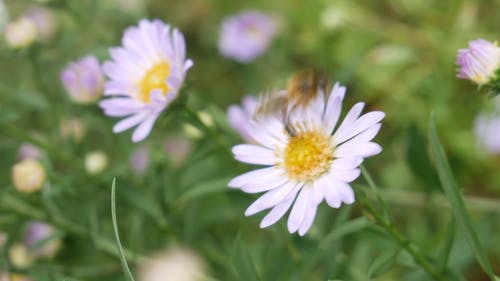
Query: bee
[(302, 88)]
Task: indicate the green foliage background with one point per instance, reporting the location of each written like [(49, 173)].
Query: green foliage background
[(396, 55)]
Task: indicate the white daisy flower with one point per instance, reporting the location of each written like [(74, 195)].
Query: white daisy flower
[(145, 74), (309, 158)]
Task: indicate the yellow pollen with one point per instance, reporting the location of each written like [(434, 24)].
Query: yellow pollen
[(154, 79), (308, 155)]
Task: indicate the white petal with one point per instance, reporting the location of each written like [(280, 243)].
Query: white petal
[(349, 120), (331, 194), (298, 210), (130, 122), (308, 219), (346, 193), (144, 129), (345, 175), (362, 123), (265, 183), (347, 163), (368, 134), (352, 148), (253, 177), (254, 154), (270, 198), (276, 213)]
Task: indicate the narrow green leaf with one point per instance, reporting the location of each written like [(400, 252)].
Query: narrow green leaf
[(444, 255), (344, 229), (383, 262), (242, 262), (212, 186), (126, 269), (456, 200)]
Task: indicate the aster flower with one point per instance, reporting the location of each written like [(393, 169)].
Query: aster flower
[(479, 62), (146, 74), (247, 35), (307, 159), (83, 80), (239, 116), (44, 20)]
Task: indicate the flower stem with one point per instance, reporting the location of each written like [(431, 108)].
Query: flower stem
[(390, 228)]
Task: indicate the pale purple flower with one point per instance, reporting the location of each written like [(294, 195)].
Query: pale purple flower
[(487, 128), (146, 74), (39, 238), (139, 160), (239, 117), (479, 62), (178, 148), (44, 20), (83, 80), (309, 158), (28, 151), (247, 35)]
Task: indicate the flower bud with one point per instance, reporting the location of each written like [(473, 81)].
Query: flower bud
[(72, 128), (139, 160), (178, 264), (19, 256), (83, 80), (479, 62), (44, 21), (95, 162), (28, 151), (28, 176), (37, 233), (20, 33)]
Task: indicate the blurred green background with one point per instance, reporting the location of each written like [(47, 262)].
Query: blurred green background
[(396, 55)]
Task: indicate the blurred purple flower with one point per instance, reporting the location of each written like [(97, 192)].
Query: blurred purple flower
[(83, 80), (28, 151), (479, 62), (247, 35), (36, 239), (146, 74), (140, 160), (239, 117), (178, 148), (44, 20)]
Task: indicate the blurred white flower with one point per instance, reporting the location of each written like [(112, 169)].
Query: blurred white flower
[(72, 128), (19, 256), (20, 33), (175, 264), (96, 162), (28, 175), (487, 128), (247, 35)]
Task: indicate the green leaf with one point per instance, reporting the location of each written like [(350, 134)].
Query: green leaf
[(418, 158), (445, 252), (455, 198), (383, 262), (242, 262), (126, 269), (344, 229), (209, 187)]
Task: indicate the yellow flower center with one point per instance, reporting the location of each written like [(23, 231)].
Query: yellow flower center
[(308, 155), (155, 79)]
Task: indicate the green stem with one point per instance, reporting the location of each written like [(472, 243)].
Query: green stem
[(389, 226), (404, 242)]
